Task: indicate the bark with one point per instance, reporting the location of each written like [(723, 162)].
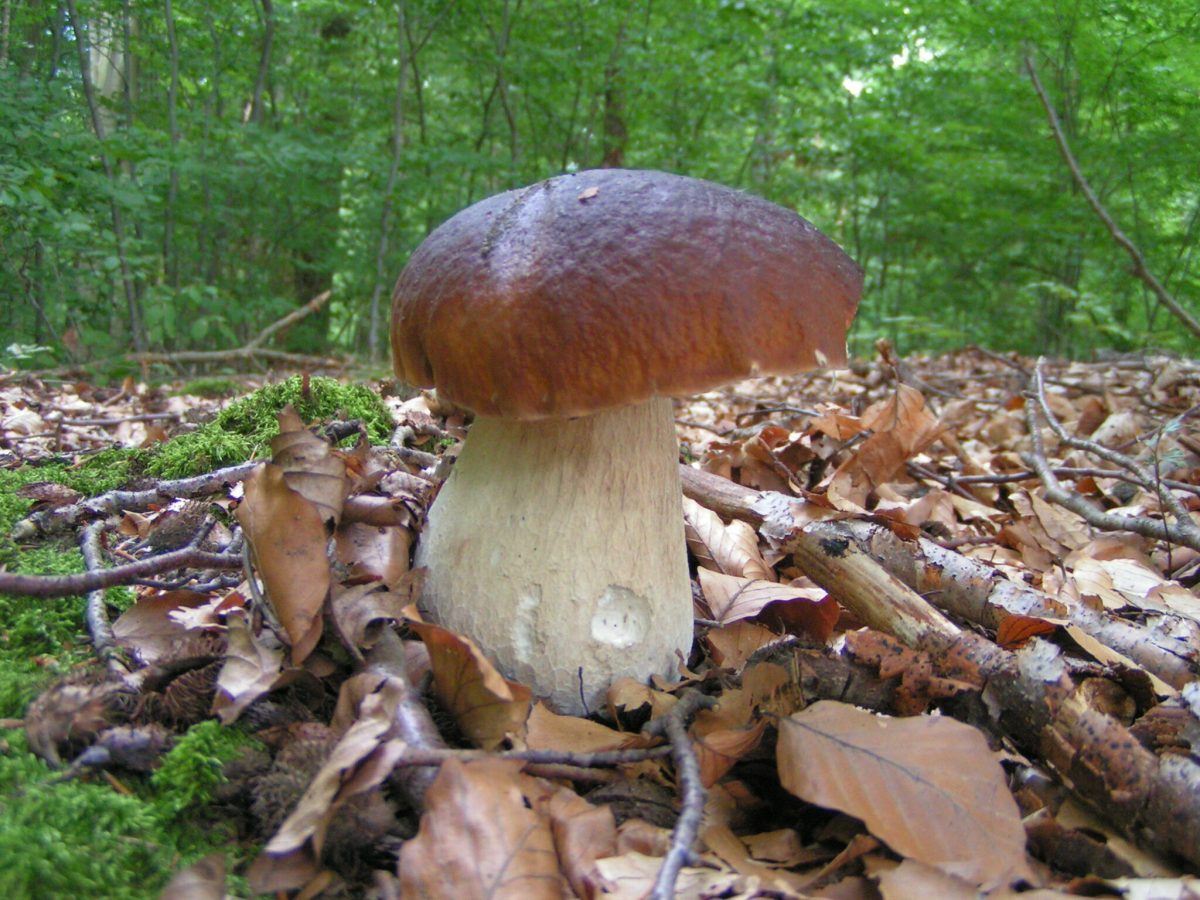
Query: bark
[(169, 258), (133, 305), (1164, 644), (255, 113), (1031, 693)]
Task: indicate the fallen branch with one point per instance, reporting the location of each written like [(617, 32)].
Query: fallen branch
[(1164, 644), (673, 726), (61, 518), (1037, 703), (1181, 531), (1140, 269), (97, 612), (48, 586)]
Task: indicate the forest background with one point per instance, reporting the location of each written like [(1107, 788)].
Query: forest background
[(178, 176)]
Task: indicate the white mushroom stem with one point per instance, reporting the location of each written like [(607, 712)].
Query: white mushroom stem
[(557, 546)]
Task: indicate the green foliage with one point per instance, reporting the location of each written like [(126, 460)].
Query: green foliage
[(243, 430), (909, 133), (193, 769)]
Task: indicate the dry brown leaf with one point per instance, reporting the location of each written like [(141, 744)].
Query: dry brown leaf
[(546, 730), (479, 839), (288, 540), (732, 597), (363, 757), (726, 845), (927, 786), (360, 610), (630, 876), (915, 879), (902, 427), (583, 833), (730, 549), (627, 697), (371, 551), (732, 645), (202, 880), (311, 469), (154, 631), (252, 667), (719, 751), (487, 707)]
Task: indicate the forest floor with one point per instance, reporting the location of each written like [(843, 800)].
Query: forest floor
[(947, 640)]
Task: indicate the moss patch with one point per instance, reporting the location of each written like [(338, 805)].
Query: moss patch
[(243, 430), (80, 839)]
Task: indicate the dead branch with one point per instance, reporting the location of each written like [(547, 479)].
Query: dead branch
[(49, 521), (1156, 800), (252, 349), (97, 613), (1181, 531), (673, 726), (1140, 269), (48, 586), (1164, 644)]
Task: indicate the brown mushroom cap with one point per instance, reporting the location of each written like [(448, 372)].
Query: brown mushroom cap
[(591, 291)]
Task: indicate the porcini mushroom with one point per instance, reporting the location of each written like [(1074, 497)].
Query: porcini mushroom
[(565, 316)]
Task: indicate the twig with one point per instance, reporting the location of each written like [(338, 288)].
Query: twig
[(63, 517), (1140, 269), (691, 788), (1182, 531), (48, 586), (97, 614)]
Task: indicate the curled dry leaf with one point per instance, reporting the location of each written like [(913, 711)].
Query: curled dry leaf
[(363, 757), (361, 609), (731, 598), (902, 427), (583, 833), (486, 706), (479, 839), (927, 786), (372, 551), (311, 469), (167, 625), (288, 539), (731, 549), (202, 880), (734, 644), (251, 668)]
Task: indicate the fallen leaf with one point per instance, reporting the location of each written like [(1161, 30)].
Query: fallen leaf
[(730, 549), (928, 786), (487, 707), (731, 598), (288, 541), (251, 668), (734, 644), (479, 839)]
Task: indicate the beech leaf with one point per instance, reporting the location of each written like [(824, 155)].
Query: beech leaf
[(479, 838), (928, 786)]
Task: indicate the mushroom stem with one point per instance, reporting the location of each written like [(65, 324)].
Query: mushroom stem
[(557, 546)]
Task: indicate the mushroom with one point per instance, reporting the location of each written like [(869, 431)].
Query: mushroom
[(565, 316)]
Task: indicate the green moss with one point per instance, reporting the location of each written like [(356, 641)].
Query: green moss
[(193, 769), (243, 430), (210, 387), (76, 838)]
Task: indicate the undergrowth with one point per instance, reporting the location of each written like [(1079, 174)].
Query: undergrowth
[(83, 837), (243, 430)]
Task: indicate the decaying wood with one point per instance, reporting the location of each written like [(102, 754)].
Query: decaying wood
[(1164, 644), (62, 518), (1032, 695)]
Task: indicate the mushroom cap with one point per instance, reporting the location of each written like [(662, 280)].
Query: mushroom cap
[(590, 291)]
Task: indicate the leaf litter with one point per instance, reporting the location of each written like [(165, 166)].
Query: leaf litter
[(835, 760)]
